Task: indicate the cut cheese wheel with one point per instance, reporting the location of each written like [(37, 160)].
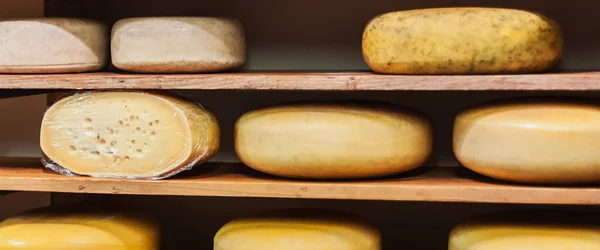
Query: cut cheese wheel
[(552, 231), (178, 44), (127, 135), (298, 230), (52, 45), (79, 230), (532, 142), (461, 41), (330, 140)]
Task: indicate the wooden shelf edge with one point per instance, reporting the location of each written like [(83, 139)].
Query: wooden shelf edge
[(236, 180), (342, 81)]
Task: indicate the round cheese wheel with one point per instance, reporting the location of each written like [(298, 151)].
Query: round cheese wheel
[(127, 135), (531, 142), (530, 231), (461, 41), (55, 230), (52, 45), (330, 140), (178, 44), (298, 230)]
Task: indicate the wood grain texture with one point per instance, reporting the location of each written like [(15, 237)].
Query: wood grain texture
[(236, 180), (304, 81)]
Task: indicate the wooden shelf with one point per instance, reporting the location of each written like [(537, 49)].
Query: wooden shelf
[(304, 81), (236, 180)]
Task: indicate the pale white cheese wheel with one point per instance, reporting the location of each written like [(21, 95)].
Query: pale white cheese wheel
[(178, 44), (333, 140), (518, 231), (298, 230), (52, 45), (531, 142)]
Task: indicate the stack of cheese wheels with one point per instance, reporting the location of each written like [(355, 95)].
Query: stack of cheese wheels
[(52, 45), (73, 229), (461, 41), (127, 135), (298, 230), (543, 141), (333, 140), (178, 44), (534, 230)]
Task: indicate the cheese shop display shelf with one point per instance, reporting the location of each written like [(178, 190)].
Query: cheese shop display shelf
[(284, 80), (440, 184)]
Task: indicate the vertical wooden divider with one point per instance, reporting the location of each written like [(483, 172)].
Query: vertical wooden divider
[(15, 202)]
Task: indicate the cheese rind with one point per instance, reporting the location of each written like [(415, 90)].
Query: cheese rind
[(52, 45), (80, 230), (531, 142), (127, 135), (496, 234), (298, 230), (461, 41), (178, 44), (330, 140)]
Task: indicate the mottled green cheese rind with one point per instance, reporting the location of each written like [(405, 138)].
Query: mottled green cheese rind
[(462, 41)]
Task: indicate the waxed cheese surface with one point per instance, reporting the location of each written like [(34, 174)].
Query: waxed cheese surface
[(531, 142), (523, 233), (52, 45), (461, 41), (178, 44), (127, 134), (332, 140), (78, 231), (298, 231)]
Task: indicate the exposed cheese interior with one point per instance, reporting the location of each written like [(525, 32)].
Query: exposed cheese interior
[(85, 231), (461, 41), (52, 45), (178, 44), (332, 140), (128, 134), (298, 231), (515, 235), (537, 142)]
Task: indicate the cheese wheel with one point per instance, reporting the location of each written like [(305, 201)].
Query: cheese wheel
[(461, 41), (298, 230), (533, 232), (52, 45), (544, 141), (178, 44), (79, 230), (127, 135), (333, 140)]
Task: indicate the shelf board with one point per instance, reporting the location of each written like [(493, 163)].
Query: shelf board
[(304, 81), (236, 180)]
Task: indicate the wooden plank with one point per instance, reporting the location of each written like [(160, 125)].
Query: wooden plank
[(22, 9), (304, 81), (235, 180)]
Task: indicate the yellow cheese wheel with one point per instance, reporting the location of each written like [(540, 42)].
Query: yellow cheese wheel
[(127, 135), (461, 41), (58, 230), (52, 45), (178, 44), (531, 141), (332, 140), (531, 232), (298, 230)]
